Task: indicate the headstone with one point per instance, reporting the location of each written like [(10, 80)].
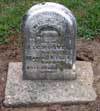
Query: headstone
[(48, 38), (49, 31)]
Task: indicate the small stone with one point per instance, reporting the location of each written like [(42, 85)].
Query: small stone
[(49, 31)]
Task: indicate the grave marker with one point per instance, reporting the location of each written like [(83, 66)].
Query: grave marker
[(49, 31), (49, 47)]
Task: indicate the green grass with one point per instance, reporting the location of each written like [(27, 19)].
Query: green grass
[(87, 13)]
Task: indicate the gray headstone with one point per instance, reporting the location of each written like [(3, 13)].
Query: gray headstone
[(48, 35), (49, 31)]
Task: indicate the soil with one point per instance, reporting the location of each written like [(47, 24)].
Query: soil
[(87, 50)]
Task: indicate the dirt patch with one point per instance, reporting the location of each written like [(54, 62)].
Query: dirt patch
[(86, 51)]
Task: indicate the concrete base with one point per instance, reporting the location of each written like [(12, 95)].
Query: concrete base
[(21, 92)]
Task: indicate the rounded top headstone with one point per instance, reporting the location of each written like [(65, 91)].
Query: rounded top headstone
[(49, 31), (47, 7)]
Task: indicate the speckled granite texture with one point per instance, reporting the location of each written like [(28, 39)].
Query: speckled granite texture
[(21, 92)]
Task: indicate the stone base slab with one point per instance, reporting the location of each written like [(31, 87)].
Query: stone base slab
[(21, 92)]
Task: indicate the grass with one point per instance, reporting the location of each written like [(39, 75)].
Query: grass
[(87, 13)]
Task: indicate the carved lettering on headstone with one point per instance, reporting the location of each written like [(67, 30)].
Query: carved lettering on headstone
[(49, 42)]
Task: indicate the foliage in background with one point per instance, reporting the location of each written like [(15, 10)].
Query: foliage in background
[(87, 13)]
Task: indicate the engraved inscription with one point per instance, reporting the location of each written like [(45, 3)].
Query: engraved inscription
[(49, 52), (48, 42)]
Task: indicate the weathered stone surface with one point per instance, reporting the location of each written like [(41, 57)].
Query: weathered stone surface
[(27, 92), (49, 31)]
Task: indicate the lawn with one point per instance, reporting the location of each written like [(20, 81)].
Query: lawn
[(87, 13)]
